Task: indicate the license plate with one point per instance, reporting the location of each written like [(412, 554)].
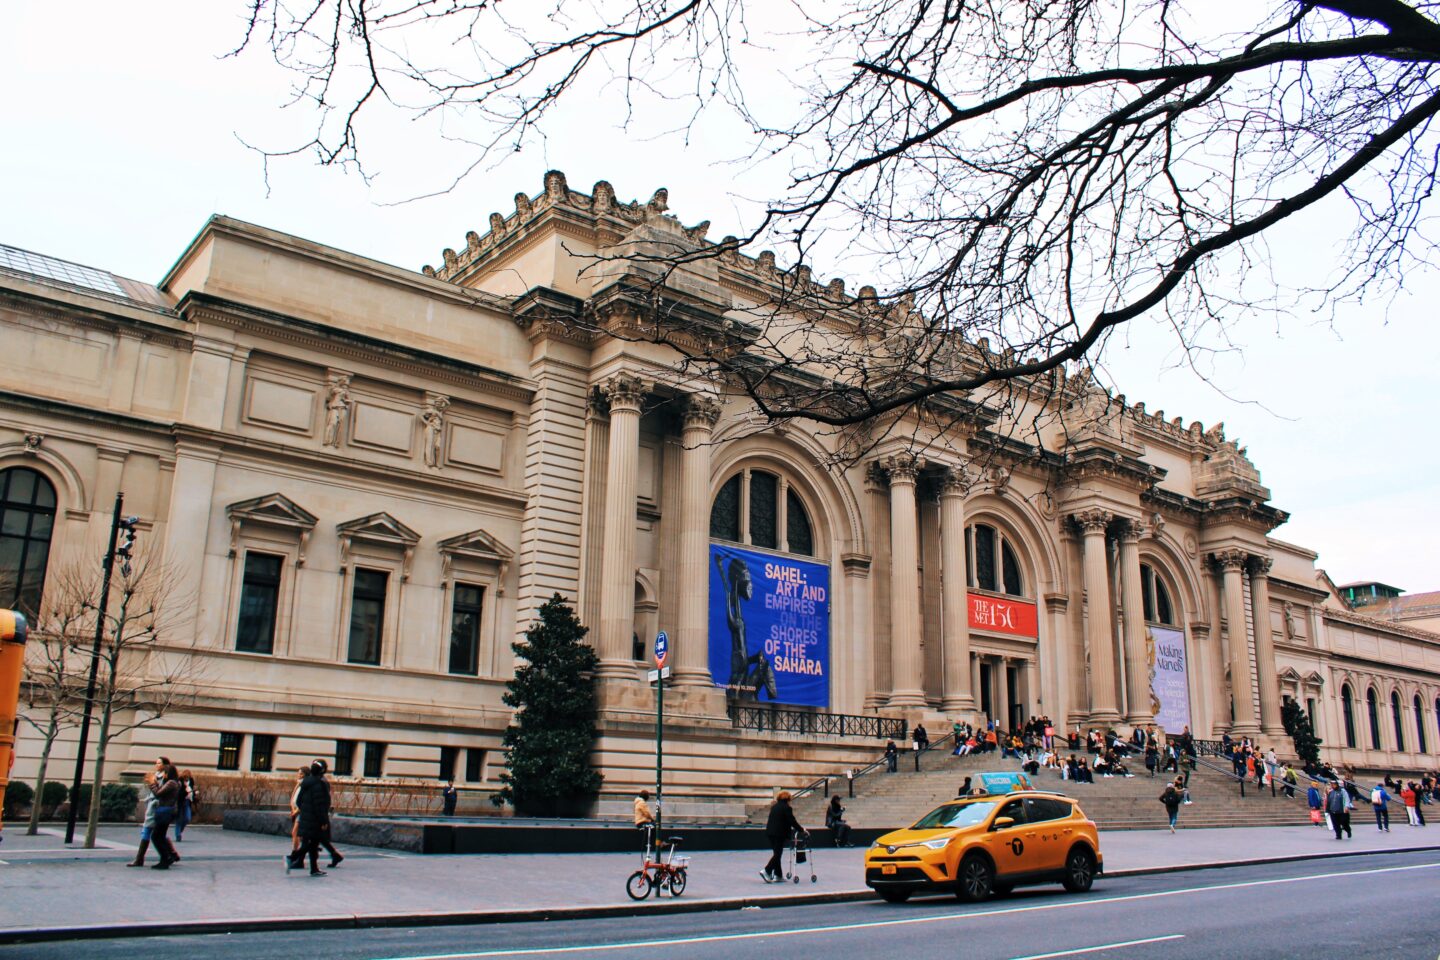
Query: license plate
[(887, 868)]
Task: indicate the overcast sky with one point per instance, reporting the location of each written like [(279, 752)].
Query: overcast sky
[(122, 136)]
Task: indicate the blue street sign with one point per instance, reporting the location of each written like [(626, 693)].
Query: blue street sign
[(662, 648)]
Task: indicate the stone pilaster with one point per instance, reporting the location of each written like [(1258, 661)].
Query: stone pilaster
[(1138, 710), (905, 653), (959, 696), (1099, 630), (1267, 677), (1232, 571), (617, 594), (691, 666)]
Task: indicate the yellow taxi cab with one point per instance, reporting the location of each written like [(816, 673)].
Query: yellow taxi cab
[(1009, 836)]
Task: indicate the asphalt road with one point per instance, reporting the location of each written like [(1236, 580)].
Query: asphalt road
[(1381, 906)]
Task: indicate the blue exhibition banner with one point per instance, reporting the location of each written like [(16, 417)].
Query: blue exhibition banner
[(769, 627)]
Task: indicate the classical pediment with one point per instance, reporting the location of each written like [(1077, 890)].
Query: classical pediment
[(274, 509), (476, 547), (378, 528)]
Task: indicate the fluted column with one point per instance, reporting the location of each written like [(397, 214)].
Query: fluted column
[(1267, 677), (907, 689), (1099, 630), (1137, 668), (959, 697), (691, 647), (1232, 567), (617, 595), (1001, 671)]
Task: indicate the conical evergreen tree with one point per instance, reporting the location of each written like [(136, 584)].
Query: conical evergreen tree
[(1297, 724), (548, 746)]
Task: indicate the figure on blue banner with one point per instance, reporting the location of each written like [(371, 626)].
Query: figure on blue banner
[(748, 672)]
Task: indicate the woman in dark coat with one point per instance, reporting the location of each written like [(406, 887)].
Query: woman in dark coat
[(313, 805), (781, 826), (167, 797)]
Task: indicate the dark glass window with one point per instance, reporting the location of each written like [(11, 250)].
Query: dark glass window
[(1044, 808), (474, 765), (1158, 608), (1163, 608), (763, 514), (448, 756), (984, 556), (27, 517), (1015, 810), (1420, 745), (262, 752), (259, 598), (1347, 707), (344, 758), (1396, 718), (374, 759), (1010, 570), (797, 526), (725, 512), (229, 751), (1310, 712), (367, 615), (1372, 704), (465, 629)]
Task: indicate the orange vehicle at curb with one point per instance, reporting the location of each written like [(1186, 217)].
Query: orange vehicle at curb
[(989, 844)]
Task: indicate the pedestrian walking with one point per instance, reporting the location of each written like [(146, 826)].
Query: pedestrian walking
[(329, 847), (1338, 806), (1378, 800), (300, 776), (1152, 757), (186, 809), (1171, 799), (779, 828), (166, 792), (892, 756), (147, 823), (313, 804), (449, 797), (835, 822)]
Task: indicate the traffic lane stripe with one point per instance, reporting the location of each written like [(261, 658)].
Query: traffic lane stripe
[(1103, 946), (904, 921)]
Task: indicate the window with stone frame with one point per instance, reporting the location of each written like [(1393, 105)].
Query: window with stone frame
[(1158, 607), (448, 757), (1372, 706), (259, 602), (1347, 709), (764, 510), (368, 595), (472, 576), (27, 520), (262, 752), (474, 765), (374, 760), (465, 611), (269, 537), (230, 744), (1420, 745), (993, 563), (1397, 718), (344, 758)]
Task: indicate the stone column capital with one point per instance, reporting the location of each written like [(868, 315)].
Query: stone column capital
[(903, 467), (1092, 521), (952, 482), (1260, 566), (701, 412), (1230, 560), (1132, 531), (625, 391)]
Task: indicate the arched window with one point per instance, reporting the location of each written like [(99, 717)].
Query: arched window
[(1372, 704), (27, 518), (1347, 706), (1158, 608), (994, 565), (1420, 745), (750, 508), (1397, 720)]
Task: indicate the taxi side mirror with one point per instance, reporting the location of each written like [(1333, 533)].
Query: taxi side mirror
[(1002, 822)]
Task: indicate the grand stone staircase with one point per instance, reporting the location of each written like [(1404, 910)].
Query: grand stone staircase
[(888, 801)]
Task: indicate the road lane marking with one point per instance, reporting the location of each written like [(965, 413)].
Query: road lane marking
[(900, 922), (1103, 946)]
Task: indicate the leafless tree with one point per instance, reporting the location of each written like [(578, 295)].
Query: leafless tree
[(1023, 178), (53, 688)]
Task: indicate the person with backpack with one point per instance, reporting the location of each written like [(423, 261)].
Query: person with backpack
[(1378, 799), (1171, 799), (1338, 806)]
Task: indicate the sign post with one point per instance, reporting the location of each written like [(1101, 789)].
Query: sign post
[(662, 654)]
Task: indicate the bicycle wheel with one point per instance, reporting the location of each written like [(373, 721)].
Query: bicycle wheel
[(638, 886), (678, 880)]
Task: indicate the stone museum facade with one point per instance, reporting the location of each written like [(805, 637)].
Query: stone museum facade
[(365, 480)]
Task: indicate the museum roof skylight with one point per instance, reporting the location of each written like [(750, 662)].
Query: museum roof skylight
[(49, 268)]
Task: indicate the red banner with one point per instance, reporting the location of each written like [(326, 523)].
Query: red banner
[(1014, 617)]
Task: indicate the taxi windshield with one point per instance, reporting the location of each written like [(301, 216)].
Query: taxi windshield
[(956, 815)]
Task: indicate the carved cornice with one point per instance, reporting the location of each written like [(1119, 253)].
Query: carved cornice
[(546, 314), (1230, 560), (1092, 521), (625, 392), (1098, 463), (876, 479)]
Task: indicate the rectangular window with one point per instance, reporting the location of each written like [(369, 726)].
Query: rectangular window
[(344, 758), (474, 765), (230, 751), (984, 557), (262, 752), (374, 759), (448, 756), (1310, 711), (465, 629), (367, 615), (259, 598)]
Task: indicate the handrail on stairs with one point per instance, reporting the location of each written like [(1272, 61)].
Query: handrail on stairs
[(850, 776)]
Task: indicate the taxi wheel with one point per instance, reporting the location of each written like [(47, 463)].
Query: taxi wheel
[(1079, 870), (895, 896), (976, 880)]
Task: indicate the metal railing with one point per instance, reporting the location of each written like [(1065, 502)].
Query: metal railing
[(775, 720), (850, 776)]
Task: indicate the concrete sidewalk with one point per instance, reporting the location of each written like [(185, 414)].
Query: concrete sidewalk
[(231, 880)]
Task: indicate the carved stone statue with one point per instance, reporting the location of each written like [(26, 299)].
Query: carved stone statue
[(432, 420), (1292, 625), (337, 407)]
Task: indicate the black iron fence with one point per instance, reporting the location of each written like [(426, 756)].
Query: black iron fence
[(806, 723)]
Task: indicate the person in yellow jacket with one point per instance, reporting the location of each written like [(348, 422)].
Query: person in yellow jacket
[(643, 815)]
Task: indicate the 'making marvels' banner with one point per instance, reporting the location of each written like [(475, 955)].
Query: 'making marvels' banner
[(1169, 679), (770, 627)]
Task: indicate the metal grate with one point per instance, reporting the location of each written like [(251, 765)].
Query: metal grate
[(38, 265)]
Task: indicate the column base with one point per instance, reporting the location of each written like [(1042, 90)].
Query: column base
[(1276, 735), (1104, 718), (1135, 720), (962, 706), (907, 699), (616, 670), (1250, 730)]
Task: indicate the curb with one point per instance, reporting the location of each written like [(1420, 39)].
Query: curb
[(348, 921)]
